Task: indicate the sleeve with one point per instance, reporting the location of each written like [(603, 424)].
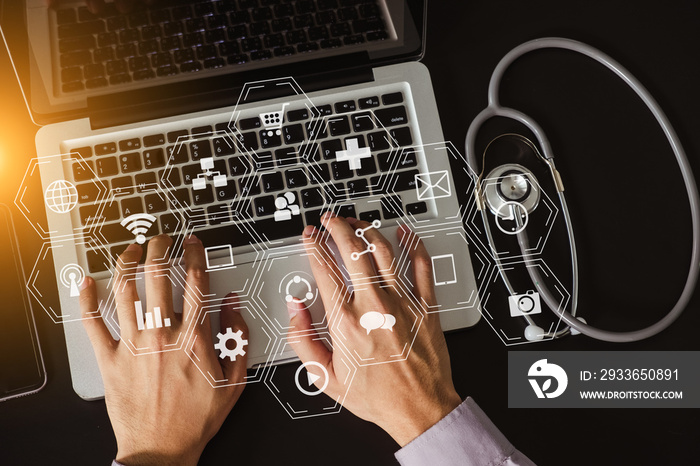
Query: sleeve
[(465, 437)]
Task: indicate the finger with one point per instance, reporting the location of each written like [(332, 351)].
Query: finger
[(159, 290), (102, 341), (197, 281), (324, 268), (350, 245), (383, 253), (124, 288), (234, 362), (422, 265), (309, 348)]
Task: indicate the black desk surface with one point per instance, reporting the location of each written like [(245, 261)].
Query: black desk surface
[(627, 204)]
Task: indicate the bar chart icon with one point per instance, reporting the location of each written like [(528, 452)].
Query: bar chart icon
[(151, 319)]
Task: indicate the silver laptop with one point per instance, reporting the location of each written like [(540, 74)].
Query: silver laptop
[(239, 121)]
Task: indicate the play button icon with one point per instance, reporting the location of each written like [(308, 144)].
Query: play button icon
[(311, 379)]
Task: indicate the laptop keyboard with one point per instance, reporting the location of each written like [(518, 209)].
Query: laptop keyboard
[(232, 189), (180, 37)]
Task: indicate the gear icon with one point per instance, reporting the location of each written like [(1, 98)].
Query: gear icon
[(231, 335)]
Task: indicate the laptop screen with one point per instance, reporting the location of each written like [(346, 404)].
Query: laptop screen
[(181, 56)]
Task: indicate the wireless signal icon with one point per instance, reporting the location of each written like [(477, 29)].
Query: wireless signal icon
[(138, 225)]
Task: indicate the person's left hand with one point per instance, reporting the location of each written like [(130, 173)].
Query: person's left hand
[(162, 409)]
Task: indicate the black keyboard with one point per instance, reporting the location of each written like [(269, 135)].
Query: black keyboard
[(229, 183), (179, 37)]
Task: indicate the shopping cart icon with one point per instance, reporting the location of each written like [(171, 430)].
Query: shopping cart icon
[(272, 121)]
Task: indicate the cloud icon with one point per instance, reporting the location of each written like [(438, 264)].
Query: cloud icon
[(373, 320)]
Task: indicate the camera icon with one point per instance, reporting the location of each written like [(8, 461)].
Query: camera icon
[(524, 304)]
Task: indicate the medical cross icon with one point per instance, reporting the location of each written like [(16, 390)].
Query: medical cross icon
[(354, 154)]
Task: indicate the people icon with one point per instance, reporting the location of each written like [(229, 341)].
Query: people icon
[(286, 207)]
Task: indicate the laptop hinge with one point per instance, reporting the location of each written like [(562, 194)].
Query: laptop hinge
[(209, 93)]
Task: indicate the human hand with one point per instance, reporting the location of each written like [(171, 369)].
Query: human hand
[(162, 410), (405, 398)]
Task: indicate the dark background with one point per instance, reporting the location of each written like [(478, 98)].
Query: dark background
[(627, 204)]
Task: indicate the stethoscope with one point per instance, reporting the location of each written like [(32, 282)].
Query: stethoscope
[(512, 193)]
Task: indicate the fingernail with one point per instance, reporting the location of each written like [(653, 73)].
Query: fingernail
[(192, 239), (132, 247), (309, 230), (293, 309), (327, 215), (85, 283)]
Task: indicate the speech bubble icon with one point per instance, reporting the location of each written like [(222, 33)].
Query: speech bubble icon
[(389, 322), (372, 320)]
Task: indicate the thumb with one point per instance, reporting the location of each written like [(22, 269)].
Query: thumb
[(233, 363), (303, 338)]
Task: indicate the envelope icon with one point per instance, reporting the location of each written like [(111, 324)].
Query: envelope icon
[(433, 185)]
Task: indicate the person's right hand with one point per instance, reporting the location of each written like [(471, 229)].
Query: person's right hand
[(405, 398)]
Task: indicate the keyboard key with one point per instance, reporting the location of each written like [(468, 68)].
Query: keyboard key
[(265, 229), (339, 126), (370, 216), (346, 106), (65, 16), (182, 198), (224, 146), (369, 102), (312, 198), (392, 207), (272, 182), (313, 217), (130, 162), (168, 223), (90, 214), (269, 139), (341, 170), (116, 233), (402, 136), (346, 211), (82, 171), (316, 129), (153, 158), (97, 261), (378, 141), (106, 166), (122, 186), (106, 148), (131, 206), (218, 214), (80, 29), (226, 193), (407, 158), (200, 149), (239, 166), (392, 116), (155, 203), (286, 157), (145, 181), (203, 196), (154, 140), (191, 172), (264, 206), (405, 181), (309, 152), (129, 144), (392, 99), (177, 136), (416, 208), (178, 154), (87, 192), (249, 186), (296, 178), (358, 188), (298, 115), (293, 134), (329, 148), (248, 141), (362, 122), (319, 173), (369, 167), (170, 177)]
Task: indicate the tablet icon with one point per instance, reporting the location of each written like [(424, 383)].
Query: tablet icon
[(307, 385), (444, 270)]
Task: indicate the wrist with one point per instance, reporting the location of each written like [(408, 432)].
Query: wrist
[(149, 457), (423, 417)]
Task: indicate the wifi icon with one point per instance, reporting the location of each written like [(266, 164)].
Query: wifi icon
[(138, 225)]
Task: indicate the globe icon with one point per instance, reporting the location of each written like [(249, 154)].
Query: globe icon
[(61, 196)]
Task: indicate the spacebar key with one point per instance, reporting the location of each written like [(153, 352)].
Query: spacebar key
[(251, 233)]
